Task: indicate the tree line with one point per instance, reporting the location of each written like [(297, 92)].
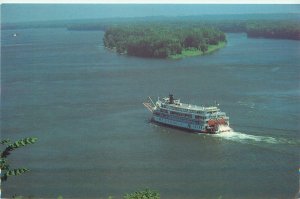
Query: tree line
[(281, 26), (160, 41), (266, 28), (279, 29), (270, 29)]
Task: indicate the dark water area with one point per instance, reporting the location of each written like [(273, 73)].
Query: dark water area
[(84, 103)]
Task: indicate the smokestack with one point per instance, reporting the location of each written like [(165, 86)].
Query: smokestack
[(171, 99)]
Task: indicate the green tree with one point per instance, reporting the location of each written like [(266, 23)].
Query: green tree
[(6, 171), (191, 41), (203, 46), (146, 194)]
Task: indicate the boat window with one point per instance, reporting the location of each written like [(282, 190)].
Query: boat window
[(199, 117), (163, 111), (181, 114)]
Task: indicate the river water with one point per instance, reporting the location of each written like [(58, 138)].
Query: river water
[(84, 103)]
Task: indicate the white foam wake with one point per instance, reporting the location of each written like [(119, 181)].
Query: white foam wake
[(224, 128), (242, 137)]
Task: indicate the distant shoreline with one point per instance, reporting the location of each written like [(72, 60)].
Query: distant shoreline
[(271, 26)]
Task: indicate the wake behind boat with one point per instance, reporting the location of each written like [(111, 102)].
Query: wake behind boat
[(202, 119)]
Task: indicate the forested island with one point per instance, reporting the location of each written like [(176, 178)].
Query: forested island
[(177, 38), (163, 42)]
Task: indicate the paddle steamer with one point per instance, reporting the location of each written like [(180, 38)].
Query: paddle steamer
[(172, 112)]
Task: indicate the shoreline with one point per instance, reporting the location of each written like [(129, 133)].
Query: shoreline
[(185, 53), (194, 52)]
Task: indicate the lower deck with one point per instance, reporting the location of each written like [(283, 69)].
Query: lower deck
[(179, 124)]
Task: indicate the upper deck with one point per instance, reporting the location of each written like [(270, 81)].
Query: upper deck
[(175, 104)]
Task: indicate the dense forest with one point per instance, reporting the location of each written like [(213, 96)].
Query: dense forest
[(279, 29), (272, 29), (160, 41)]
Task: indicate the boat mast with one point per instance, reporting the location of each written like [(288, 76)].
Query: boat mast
[(149, 106), (151, 101)]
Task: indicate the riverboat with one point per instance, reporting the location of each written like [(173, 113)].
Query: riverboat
[(205, 119)]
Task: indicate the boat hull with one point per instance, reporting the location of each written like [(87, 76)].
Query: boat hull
[(181, 125)]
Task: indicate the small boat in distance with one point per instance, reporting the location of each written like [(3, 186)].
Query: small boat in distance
[(172, 112)]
